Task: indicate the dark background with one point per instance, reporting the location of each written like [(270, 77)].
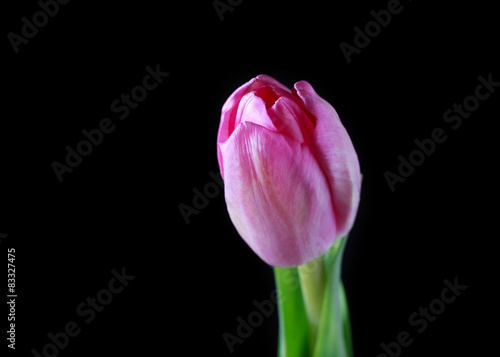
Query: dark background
[(119, 208)]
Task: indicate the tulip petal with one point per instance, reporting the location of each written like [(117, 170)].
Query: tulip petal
[(335, 152), (290, 120), (229, 109), (277, 196), (253, 109), (284, 121)]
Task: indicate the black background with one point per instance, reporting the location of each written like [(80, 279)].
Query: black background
[(119, 208)]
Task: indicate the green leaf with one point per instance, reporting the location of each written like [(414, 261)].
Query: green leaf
[(294, 332), (346, 321), (331, 254), (334, 330)]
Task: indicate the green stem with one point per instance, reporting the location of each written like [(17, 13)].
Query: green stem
[(313, 279)]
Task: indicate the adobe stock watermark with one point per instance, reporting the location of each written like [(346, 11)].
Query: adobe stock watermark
[(363, 36), (30, 27), (201, 199), (121, 107), (87, 310), (222, 6), (266, 308), (422, 318), (255, 319), (454, 117)]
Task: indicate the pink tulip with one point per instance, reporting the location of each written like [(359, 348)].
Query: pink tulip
[(291, 174)]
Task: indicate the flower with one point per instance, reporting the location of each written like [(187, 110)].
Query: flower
[(291, 174)]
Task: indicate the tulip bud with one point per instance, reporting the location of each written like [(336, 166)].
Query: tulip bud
[(291, 174)]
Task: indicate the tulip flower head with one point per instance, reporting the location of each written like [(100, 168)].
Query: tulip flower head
[(291, 174)]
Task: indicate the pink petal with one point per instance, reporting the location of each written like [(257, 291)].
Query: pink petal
[(230, 108), (253, 109), (277, 196), (290, 120), (335, 152)]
